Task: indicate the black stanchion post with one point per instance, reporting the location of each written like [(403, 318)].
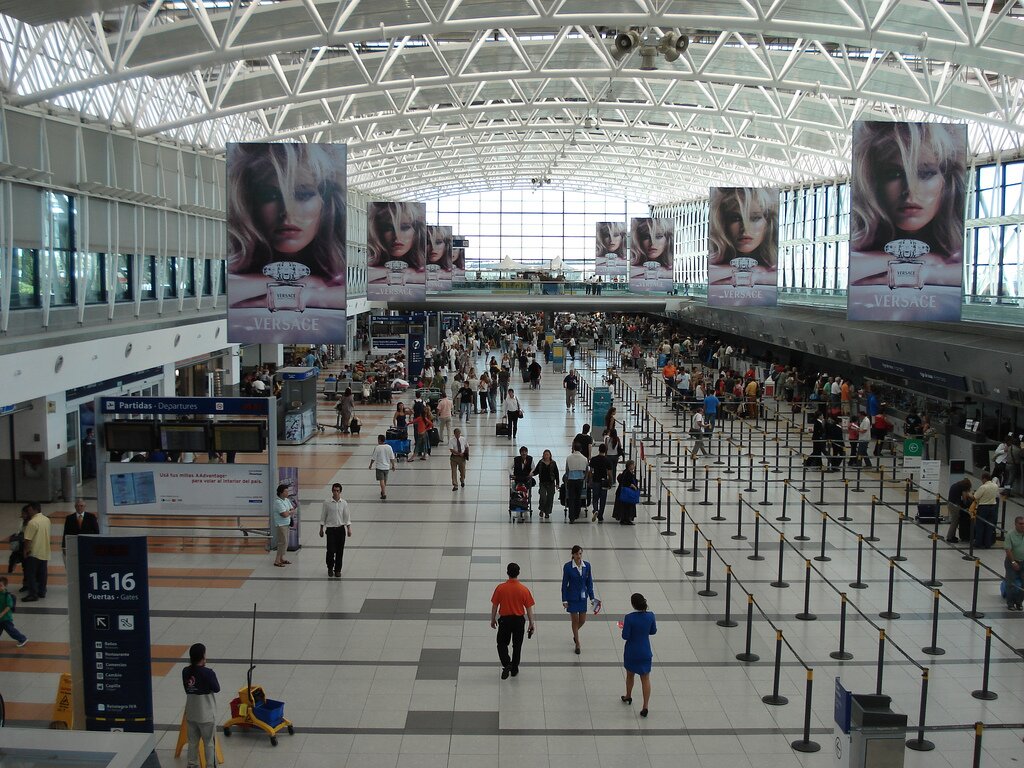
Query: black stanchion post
[(805, 744), (880, 664), (693, 469), (765, 501), (871, 530), (727, 621), (859, 583), (846, 503), (881, 482), (934, 649), (718, 451), (821, 556), (803, 511), (985, 694), (906, 497), (934, 582), (747, 655), (739, 519), (668, 511), (889, 613), (680, 465), (682, 533), (757, 538), (821, 489), (706, 502), (779, 583), (776, 700), (978, 730), (970, 544), (921, 744), (750, 474), (806, 614), (785, 498), (898, 557), (857, 488), (777, 468), (728, 458), (842, 654), (707, 591), (974, 613), (803, 476), (694, 572), (764, 449)]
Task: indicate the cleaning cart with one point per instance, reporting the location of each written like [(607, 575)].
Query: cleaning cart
[(252, 708)]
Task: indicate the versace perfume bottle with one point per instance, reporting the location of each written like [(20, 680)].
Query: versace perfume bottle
[(396, 270), (906, 268), (285, 293), (743, 272)]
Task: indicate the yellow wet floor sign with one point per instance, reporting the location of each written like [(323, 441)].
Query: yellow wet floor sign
[(63, 716), (183, 740)]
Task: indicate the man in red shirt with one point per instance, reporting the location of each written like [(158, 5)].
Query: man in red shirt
[(513, 600)]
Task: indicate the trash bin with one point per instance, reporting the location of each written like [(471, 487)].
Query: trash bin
[(878, 734), (68, 483)]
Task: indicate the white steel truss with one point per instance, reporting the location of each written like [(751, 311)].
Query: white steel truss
[(441, 96)]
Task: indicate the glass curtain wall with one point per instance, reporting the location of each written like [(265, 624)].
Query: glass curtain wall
[(531, 227), (814, 231)]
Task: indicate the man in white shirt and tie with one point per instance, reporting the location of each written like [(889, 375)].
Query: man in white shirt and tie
[(458, 446), (335, 519)]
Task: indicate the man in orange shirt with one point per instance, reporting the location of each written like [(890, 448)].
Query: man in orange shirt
[(514, 600)]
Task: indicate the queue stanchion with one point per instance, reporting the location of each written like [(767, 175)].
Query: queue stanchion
[(881, 483), (750, 474), (748, 656), (822, 557), (805, 745), (979, 728), (693, 469), (682, 550), (934, 649), (727, 620), (803, 515), (970, 544), (694, 572), (777, 468), (728, 458), (803, 476), (680, 465), (806, 614), (765, 502), (668, 511), (921, 744), (647, 481), (739, 519), (984, 694), (757, 538), (859, 583), (889, 613), (934, 582), (898, 557), (775, 699), (821, 489), (707, 591), (871, 528), (707, 502), (718, 453), (906, 497), (974, 613), (857, 488), (677, 407), (846, 503), (718, 516), (658, 516), (880, 662), (842, 654), (764, 449), (779, 582), (783, 518)]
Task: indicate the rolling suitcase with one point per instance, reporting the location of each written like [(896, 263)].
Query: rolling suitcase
[(501, 429), (396, 434), (435, 436)]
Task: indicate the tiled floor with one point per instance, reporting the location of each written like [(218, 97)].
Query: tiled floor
[(394, 664)]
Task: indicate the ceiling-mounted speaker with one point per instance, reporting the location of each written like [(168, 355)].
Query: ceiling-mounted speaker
[(625, 42), (672, 45), (647, 62)]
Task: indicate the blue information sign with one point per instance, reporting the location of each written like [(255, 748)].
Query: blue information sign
[(113, 583), (417, 355), (196, 406), (601, 403)]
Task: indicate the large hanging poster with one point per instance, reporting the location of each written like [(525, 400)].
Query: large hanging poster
[(651, 248), (908, 198), (286, 265), (610, 249), (440, 260), (458, 260), (397, 244), (743, 247)]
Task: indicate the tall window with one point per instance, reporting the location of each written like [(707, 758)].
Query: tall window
[(25, 278), (59, 245)]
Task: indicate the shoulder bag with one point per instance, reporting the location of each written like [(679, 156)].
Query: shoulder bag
[(629, 495)]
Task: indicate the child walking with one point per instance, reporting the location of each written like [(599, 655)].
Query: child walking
[(7, 614)]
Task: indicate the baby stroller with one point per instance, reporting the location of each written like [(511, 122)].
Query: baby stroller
[(520, 500)]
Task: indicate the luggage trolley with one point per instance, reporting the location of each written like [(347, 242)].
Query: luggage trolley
[(400, 443), (520, 500)]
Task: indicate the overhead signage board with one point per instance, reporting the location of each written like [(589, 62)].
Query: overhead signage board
[(937, 378), (205, 406)]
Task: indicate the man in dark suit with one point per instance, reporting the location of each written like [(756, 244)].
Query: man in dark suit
[(78, 522)]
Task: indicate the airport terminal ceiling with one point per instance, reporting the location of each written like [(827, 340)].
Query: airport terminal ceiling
[(655, 99)]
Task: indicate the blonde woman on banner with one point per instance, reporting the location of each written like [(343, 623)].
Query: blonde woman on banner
[(610, 251), (439, 259), (286, 240), (397, 244), (909, 189), (651, 247), (743, 247)]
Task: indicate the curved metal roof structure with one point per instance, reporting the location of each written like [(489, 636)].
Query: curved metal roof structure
[(443, 96)]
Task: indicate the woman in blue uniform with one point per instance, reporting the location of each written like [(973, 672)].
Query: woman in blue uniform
[(637, 629), (577, 586)]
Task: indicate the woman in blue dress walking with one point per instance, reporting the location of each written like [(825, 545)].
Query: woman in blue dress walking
[(577, 586), (637, 629)]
